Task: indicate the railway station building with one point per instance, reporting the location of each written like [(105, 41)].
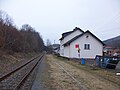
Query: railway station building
[(80, 44)]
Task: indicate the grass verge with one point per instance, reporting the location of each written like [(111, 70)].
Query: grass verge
[(99, 72)]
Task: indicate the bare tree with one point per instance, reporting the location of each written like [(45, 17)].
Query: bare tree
[(5, 24), (32, 41), (24, 40), (48, 42)]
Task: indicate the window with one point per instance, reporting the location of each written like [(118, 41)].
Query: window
[(87, 46)]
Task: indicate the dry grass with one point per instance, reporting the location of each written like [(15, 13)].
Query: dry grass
[(94, 79), (7, 59), (59, 79), (105, 74)]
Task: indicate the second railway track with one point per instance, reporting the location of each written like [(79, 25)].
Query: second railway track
[(15, 78)]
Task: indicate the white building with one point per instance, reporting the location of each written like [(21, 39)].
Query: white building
[(80, 44)]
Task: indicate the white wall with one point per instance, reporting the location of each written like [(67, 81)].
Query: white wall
[(72, 35), (64, 50), (61, 48), (95, 47), (67, 51)]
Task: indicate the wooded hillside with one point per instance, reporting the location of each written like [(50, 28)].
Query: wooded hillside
[(114, 42), (24, 40)]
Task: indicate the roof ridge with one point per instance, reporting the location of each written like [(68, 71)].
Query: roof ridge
[(74, 38), (69, 32)]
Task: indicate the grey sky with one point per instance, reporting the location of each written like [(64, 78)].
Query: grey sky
[(53, 17)]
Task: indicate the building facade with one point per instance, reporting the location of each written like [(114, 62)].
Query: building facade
[(80, 44)]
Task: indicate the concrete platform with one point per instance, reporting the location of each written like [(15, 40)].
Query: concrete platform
[(39, 83)]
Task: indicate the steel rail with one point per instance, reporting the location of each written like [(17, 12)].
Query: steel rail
[(3, 76), (27, 74)]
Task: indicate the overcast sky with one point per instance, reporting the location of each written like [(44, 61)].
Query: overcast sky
[(53, 17)]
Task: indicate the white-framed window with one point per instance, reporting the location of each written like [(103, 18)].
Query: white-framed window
[(87, 46)]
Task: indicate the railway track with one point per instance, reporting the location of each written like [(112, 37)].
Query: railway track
[(14, 79)]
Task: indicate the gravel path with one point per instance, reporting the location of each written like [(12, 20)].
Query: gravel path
[(42, 79)]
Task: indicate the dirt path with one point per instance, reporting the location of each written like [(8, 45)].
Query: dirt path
[(67, 77), (60, 80)]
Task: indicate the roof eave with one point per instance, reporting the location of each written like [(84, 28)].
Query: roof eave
[(70, 41)]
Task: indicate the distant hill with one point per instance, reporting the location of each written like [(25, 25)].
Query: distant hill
[(114, 42)]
